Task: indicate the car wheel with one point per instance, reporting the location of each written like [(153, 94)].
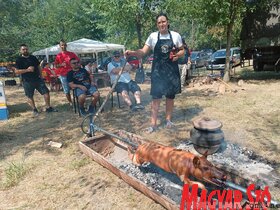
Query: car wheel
[(258, 66), (10, 82)]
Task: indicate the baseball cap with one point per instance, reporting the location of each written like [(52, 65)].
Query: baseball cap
[(116, 53)]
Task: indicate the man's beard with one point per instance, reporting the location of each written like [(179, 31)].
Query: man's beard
[(25, 53)]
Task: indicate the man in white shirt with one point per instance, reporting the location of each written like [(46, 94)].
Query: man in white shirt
[(125, 83), (91, 66)]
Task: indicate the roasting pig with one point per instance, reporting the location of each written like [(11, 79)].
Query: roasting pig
[(179, 162)]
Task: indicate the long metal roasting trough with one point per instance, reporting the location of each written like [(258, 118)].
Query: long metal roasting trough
[(112, 154), (111, 151)]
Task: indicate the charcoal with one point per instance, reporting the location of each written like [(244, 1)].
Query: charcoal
[(161, 181)]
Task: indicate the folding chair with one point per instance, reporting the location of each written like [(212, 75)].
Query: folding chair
[(118, 97), (76, 104)]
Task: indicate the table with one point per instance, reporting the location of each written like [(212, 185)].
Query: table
[(102, 79)]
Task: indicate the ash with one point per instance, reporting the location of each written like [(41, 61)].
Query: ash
[(161, 181), (243, 162)]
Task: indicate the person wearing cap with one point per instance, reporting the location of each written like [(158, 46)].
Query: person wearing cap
[(125, 83)]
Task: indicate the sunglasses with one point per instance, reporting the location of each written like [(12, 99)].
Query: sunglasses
[(117, 56), (75, 63)]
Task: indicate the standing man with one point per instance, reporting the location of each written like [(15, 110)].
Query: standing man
[(28, 67), (80, 80), (62, 63), (185, 65)]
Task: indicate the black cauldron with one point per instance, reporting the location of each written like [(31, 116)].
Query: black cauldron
[(207, 135)]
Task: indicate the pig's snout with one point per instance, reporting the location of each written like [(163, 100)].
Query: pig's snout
[(218, 175), (224, 178)]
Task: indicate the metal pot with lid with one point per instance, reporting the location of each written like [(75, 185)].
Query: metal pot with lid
[(207, 135)]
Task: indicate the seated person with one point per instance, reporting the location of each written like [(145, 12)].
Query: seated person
[(49, 76), (125, 84), (83, 83), (91, 66)]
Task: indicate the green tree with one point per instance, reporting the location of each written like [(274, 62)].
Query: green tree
[(126, 21), (52, 20), (226, 14), (41, 23), (12, 27)]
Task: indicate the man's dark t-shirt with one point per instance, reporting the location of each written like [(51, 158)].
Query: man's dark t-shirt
[(80, 77), (184, 59), (24, 63)]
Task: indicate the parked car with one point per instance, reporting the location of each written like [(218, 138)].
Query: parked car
[(199, 59), (218, 59), (4, 71), (104, 64), (208, 51)]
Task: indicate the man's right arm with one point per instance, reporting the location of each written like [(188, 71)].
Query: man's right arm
[(58, 65), (58, 62), (73, 86), (112, 69), (23, 71), (71, 83)]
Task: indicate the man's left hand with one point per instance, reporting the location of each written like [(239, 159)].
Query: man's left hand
[(94, 84), (175, 58)]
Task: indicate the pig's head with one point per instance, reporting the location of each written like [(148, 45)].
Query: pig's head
[(206, 171)]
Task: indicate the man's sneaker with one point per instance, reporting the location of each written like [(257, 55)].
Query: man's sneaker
[(151, 129), (132, 108), (169, 124), (35, 113), (50, 109), (83, 111), (139, 106), (91, 109)]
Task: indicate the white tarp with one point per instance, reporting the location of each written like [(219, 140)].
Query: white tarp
[(81, 46)]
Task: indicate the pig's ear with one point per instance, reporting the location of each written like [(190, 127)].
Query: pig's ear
[(205, 154), (196, 161)]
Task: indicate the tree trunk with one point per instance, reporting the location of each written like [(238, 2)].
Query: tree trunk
[(232, 15), (192, 36), (138, 30), (226, 77)]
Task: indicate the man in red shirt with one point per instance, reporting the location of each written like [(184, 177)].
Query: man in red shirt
[(62, 63)]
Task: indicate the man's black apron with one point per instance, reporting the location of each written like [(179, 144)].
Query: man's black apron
[(165, 78)]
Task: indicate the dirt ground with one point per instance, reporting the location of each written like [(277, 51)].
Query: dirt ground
[(65, 178)]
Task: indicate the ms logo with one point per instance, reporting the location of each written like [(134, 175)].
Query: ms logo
[(164, 48)]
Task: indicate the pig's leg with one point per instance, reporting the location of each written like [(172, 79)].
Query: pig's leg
[(200, 185), (189, 182)]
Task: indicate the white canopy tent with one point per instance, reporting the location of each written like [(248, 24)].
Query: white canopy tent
[(81, 46)]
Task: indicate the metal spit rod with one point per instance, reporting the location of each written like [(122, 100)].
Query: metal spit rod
[(244, 190), (125, 140)]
